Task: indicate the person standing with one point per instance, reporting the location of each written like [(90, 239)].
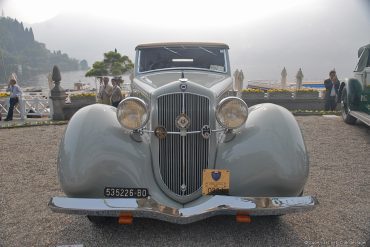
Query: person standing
[(116, 93), (105, 92), (331, 92), (15, 93)]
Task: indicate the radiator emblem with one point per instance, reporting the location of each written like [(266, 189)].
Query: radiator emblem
[(206, 131), (160, 132), (182, 121)]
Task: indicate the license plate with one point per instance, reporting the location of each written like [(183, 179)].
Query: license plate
[(114, 192), (216, 182)]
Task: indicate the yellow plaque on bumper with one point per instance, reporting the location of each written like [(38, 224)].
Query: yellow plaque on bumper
[(216, 182)]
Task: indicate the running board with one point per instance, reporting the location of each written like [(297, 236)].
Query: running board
[(363, 117)]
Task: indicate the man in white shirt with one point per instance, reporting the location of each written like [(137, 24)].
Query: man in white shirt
[(15, 93)]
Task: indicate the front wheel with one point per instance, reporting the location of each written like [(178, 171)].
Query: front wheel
[(345, 109)]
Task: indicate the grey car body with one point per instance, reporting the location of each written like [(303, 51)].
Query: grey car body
[(266, 156)]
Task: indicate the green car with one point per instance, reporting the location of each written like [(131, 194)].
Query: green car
[(355, 92)]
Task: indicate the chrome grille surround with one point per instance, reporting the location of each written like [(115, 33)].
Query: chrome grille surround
[(181, 160)]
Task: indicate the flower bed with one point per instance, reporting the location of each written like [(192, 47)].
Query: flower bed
[(3, 94), (251, 93), (83, 97), (246, 95)]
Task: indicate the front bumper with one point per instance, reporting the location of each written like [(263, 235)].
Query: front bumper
[(216, 205)]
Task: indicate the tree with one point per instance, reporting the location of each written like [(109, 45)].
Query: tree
[(114, 64), (83, 64), (98, 69)]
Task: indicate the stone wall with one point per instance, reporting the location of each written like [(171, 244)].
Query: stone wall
[(75, 105)]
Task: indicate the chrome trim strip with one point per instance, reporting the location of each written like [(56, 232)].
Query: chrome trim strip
[(216, 205), (183, 184), (179, 133)]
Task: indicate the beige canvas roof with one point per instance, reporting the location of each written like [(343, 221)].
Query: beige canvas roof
[(172, 44)]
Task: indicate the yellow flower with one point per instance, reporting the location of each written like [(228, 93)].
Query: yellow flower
[(3, 94), (83, 95), (252, 90), (278, 90), (307, 90)]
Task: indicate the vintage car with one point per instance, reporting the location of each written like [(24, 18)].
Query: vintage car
[(355, 92), (181, 148)]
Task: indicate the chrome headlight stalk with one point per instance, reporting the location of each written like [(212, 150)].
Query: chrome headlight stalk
[(232, 113), (132, 113)]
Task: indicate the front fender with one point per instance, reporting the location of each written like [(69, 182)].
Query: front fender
[(96, 152), (268, 157)]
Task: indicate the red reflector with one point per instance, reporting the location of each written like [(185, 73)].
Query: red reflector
[(125, 219), (243, 218)]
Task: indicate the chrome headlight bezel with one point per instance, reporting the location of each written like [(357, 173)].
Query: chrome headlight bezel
[(140, 103), (223, 103)]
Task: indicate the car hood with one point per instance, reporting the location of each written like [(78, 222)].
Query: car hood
[(205, 79)]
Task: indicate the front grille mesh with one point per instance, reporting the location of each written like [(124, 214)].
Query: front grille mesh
[(194, 147)]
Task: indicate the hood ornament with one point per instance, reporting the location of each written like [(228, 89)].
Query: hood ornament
[(183, 85)]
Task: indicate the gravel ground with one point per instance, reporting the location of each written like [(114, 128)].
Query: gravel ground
[(339, 177)]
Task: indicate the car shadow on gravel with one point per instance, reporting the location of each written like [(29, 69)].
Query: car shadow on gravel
[(215, 231)]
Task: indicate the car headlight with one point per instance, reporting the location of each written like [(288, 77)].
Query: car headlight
[(132, 113), (231, 113)]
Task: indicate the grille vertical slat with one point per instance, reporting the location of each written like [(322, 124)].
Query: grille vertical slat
[(171, 148)]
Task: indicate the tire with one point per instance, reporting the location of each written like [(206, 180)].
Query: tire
[(345, 109), (100, 220)]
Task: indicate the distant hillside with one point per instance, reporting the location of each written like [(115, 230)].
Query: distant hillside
[(20, 53)]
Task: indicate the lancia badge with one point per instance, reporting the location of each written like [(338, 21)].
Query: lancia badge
[(182, 121), (183, 87), (160, 132)]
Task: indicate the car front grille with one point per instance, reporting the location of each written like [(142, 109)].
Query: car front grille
[(182, 159)]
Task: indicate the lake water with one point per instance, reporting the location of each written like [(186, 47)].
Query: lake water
[(68, 80)]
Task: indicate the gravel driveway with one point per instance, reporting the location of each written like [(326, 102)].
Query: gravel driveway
[(339, 177)]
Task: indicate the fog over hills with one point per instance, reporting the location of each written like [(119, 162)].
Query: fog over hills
[(317, 40)]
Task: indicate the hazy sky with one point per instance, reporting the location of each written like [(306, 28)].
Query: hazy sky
[(264, 35), (167, 13)]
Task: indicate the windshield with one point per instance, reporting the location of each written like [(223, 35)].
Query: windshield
[(206, 58)]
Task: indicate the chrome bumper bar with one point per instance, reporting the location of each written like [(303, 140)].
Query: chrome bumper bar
[(216, 205)]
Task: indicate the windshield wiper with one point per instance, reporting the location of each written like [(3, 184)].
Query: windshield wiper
[(204, 49), (168, 49)]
